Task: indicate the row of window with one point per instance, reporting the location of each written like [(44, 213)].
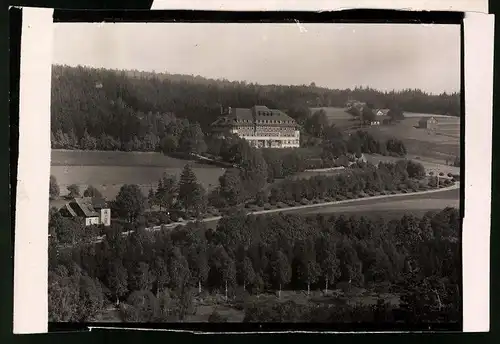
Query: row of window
[(261, 121), (274, 121), (265, 128), (284, 142), (265, 134)]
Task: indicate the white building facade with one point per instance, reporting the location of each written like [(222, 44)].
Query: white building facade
[(260, 126)]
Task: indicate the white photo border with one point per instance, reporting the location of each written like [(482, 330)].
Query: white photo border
[(31, 232)]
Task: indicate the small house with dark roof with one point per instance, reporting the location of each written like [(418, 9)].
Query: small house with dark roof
[(429, 123), (260, 126), (94, 210), (381, 112)]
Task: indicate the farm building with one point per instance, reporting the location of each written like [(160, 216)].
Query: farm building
[(260, 126), (381, 112), (94, 210), (428, 123)]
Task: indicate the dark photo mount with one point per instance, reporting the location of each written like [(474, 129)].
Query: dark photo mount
[(348, 16)]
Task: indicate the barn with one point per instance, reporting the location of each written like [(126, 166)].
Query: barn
[(428, 123)]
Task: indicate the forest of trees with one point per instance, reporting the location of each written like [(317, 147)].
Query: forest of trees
[(249, 186), (155, 276), (120, 110)]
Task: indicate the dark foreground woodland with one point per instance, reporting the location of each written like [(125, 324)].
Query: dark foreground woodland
[(165, 276)]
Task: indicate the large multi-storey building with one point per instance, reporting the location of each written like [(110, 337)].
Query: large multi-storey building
[(260, 126)]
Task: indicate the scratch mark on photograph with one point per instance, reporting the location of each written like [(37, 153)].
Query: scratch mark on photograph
[(253, 174)]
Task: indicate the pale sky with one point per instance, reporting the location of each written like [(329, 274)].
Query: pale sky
[(339, 56)]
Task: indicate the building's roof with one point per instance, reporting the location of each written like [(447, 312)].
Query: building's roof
[(257, 114), (262, 113), (98, 202), (384, 111), (69, 210), (87, 206), (427, 119), (241, 115)]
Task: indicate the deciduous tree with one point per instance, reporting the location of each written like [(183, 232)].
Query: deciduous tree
[(281, 270), (53, 188), (74, 191), (117, 277), (130, 201), (92, 192)]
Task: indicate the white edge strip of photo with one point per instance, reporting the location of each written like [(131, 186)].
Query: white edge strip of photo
[(32, 203), (321, 5), (30, 261), (478, 37)]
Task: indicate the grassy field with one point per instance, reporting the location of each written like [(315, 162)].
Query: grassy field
[(414, 206), (108, 171), (440, 146), (234, 313), (61, 157), (233, 308), (337, 116), (435, 166)]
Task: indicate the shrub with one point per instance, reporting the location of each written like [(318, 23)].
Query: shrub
[(393, 192), (404, 191), (267, 207), (291, 203), (216, 317), (450, 174), (304, 201), (441, 174), (315, 201)]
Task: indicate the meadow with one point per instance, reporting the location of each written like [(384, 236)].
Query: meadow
[(233, 309), (430, 165), (338, 116), (108, 171), (440, 146), (397, 207)]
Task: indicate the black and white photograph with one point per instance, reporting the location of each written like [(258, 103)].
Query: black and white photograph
[(257, 173)]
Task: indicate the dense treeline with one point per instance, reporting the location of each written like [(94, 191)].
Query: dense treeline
[(318, 131), (361, 179), (335, 150), (155, 276), (121, 109), (246, 186)]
